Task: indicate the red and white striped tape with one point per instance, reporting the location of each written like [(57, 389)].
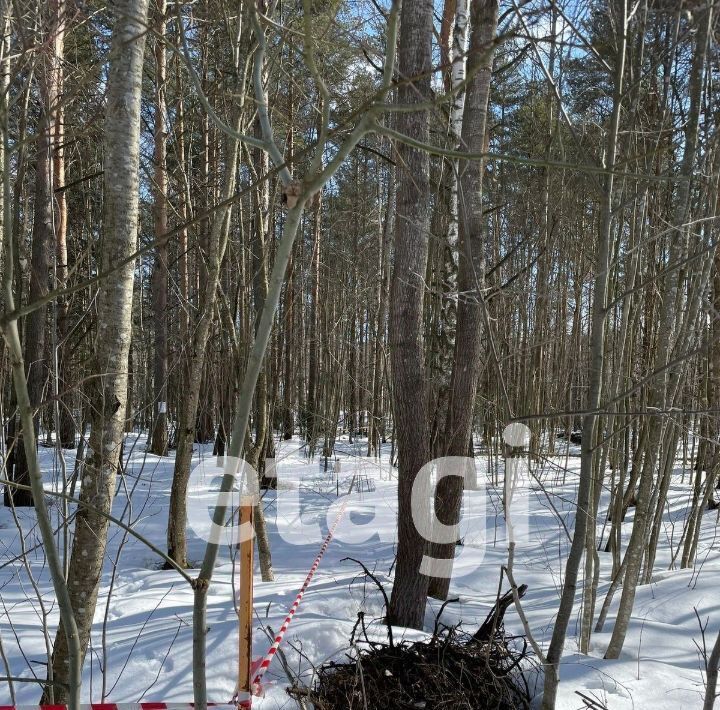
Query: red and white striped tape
[(118, 706), (265, 664)]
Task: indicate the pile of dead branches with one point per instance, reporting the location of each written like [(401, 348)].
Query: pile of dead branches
[(452, 670)]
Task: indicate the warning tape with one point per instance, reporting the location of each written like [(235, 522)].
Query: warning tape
[(265, 663), (118, 706)]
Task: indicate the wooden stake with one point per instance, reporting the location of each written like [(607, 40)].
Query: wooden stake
[(245, 605)]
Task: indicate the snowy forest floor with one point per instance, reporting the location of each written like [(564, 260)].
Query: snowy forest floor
[(141, 645)]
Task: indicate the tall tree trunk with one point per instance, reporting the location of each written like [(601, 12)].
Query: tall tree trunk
[(159, 442), (120, 228), (288, 416), (40, 262), (386, 227), (409, 594), (254, 449), (67, 425), (455, 13), (471, 275), (312, 406)]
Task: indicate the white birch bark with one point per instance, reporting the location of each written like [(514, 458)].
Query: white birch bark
[(457, 77), (108, 398)]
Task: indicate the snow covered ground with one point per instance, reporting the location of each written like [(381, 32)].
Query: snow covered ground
[(141, 646)]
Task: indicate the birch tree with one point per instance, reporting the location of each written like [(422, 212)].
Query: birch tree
[(119, 240), (471, 277)]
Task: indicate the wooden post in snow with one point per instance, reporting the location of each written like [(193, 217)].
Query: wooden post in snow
[(245, 604)]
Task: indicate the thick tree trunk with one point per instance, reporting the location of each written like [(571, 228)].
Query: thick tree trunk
[(409, 594), (122, 149), (471, 274)]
